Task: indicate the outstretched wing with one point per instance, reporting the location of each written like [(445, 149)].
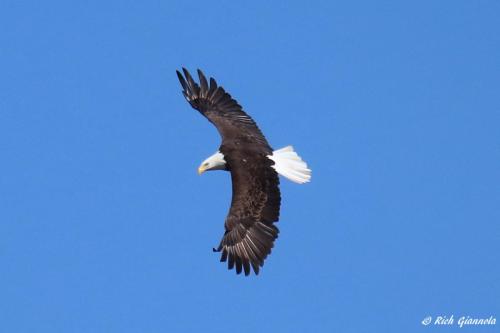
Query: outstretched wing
[(249, 227), (255, 206), (212, 101)]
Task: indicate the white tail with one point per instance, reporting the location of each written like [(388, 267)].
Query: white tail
[(288, 164)]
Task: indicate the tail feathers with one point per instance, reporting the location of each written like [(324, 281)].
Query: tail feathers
[(288, 164)]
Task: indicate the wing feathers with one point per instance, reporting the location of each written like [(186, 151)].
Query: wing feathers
[(183, 83), (213, 87), (203, 83), (245, 248), (221, 109)]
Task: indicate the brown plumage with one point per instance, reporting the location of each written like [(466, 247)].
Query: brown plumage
[(249, 227)]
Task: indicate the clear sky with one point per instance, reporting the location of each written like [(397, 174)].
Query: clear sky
[(105, 225)]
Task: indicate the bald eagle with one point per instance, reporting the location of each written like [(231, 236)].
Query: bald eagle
[(254, 166)]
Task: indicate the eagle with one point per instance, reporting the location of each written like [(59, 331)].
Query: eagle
[(249, 228)]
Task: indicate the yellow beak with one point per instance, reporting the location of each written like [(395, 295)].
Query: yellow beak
[(201, 170)]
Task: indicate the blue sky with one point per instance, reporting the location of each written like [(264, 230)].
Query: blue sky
[(106, 227)]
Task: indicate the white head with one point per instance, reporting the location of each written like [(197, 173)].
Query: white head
[(214, 162)]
